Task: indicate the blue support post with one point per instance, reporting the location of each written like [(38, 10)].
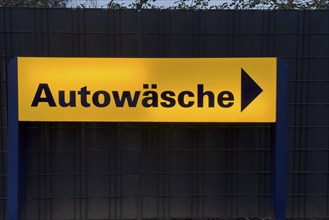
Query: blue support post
[(280, 143), (13, 169)]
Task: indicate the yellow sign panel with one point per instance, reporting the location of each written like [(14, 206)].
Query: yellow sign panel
[(147, 89)]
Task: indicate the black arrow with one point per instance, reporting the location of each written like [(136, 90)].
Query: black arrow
[(249, 89)]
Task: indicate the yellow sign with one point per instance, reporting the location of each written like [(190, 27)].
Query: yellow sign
[(147, 89)]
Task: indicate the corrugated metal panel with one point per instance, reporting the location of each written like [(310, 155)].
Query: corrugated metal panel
[(159, 170), (127, 170)]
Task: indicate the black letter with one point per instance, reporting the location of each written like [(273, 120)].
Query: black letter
[(181, 99), (228, 97), (49, 97), (61, 99), (83, 93), (201, 94), (153, 99), (106, 101), (169, 102), (132, 102)]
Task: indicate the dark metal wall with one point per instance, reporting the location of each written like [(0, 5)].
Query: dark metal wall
[(161, 170)]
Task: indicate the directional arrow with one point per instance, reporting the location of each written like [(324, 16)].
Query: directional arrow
[(249, 89)]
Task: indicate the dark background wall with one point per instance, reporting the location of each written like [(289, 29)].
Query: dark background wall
[(159, 170)]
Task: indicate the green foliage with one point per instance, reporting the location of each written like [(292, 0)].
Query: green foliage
[(230, 4), (191, 4), (136, 4), (34, 3), (143, 4), (179, 4), (115, 5), (277, 4)]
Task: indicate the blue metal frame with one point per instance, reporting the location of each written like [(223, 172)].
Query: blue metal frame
[(280, 143), (13, 163), (15, 171)]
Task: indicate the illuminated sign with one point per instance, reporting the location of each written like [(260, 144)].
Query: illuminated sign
[(147, 89)]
